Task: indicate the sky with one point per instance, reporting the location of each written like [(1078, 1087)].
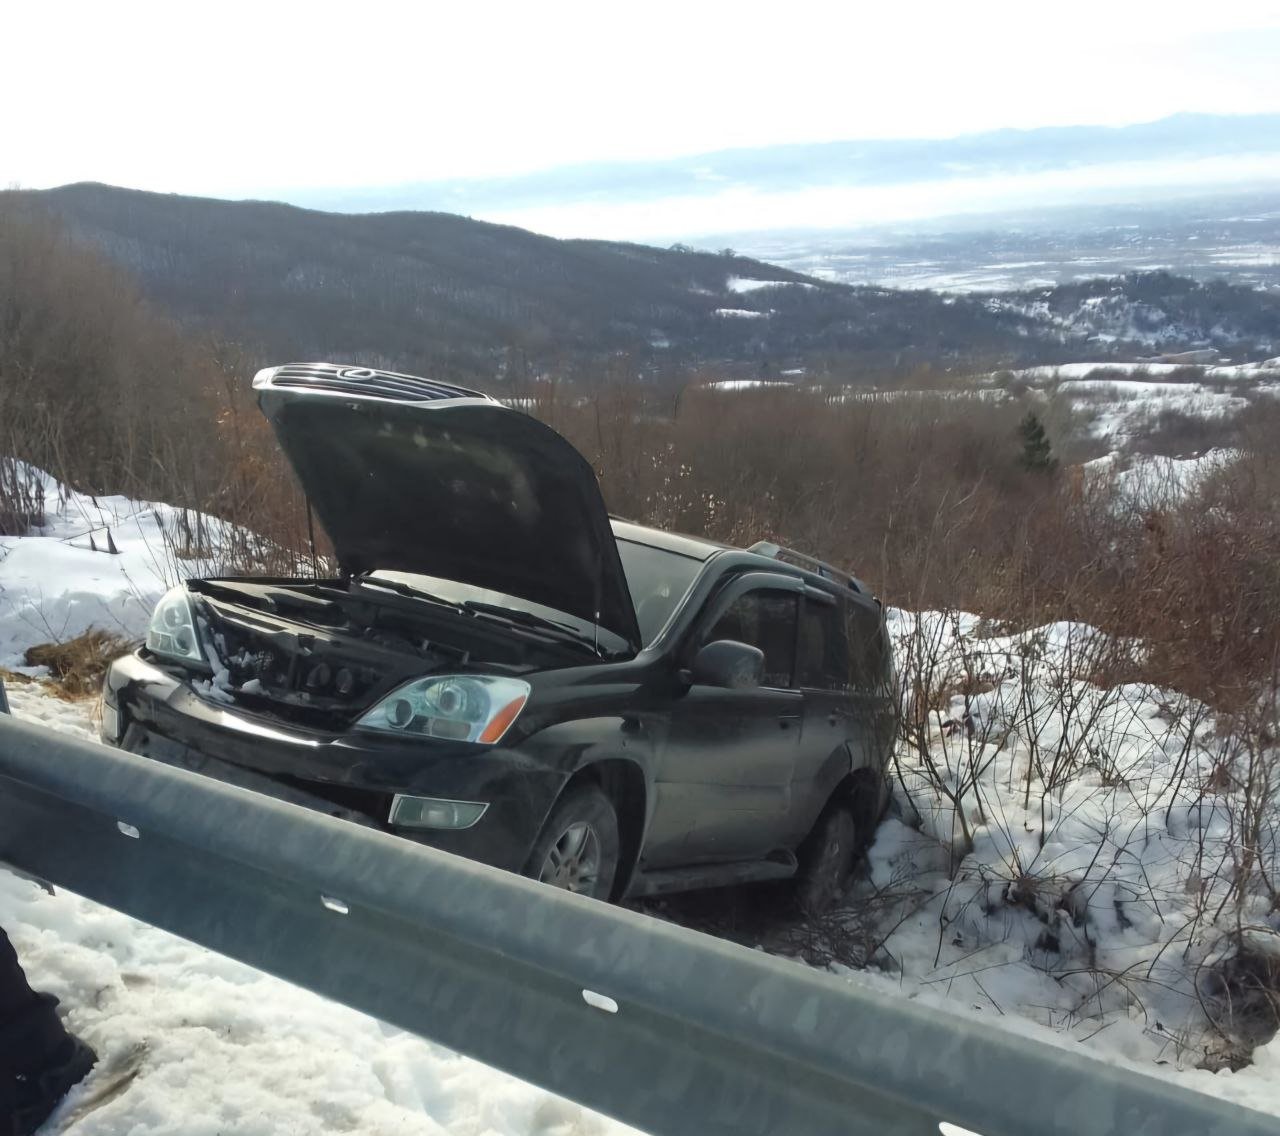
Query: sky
[(263, 99)]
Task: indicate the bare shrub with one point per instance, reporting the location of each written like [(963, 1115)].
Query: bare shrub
[(21, 497), (105, 395)]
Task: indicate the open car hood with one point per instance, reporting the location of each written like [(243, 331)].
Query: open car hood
[(411, 475)]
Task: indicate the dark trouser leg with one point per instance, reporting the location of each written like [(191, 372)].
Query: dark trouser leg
[(30, 1032)]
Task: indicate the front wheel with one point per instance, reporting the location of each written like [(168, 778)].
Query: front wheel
[(827, 858), (577, 849)]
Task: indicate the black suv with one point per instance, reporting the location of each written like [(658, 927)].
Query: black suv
[(501, 670)]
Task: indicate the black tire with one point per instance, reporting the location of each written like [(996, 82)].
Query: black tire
[(588, 867), (827, 858)]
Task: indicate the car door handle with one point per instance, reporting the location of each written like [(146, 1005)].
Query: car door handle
[(784, 722)]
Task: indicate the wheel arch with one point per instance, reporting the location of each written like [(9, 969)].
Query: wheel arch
[(623, 782), (866, 792)]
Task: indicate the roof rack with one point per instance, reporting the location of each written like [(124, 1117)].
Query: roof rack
[(800, 560)]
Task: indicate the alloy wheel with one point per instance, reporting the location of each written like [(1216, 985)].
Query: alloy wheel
[(573, 861)]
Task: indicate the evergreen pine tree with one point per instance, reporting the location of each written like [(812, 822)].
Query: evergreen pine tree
[(1036, 454)]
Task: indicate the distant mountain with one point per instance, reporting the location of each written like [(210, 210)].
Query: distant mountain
[(1232, 236), (462, 299), (1182, 138)]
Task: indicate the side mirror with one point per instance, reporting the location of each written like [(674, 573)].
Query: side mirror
[(727, 663)]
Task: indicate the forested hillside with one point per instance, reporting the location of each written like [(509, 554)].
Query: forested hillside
[(464, 299)]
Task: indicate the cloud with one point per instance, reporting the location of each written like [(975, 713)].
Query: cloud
[(743, 210), (231, 98)]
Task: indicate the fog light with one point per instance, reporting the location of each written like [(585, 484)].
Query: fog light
[(428, 812)]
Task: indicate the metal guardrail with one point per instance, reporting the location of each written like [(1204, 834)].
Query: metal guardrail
[(663, 1028)]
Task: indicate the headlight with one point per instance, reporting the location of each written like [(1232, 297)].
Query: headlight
[(173, 629), (462, 708)]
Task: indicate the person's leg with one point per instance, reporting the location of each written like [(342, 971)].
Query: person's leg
[(30, 1030), (39, 1059), (14, 991)]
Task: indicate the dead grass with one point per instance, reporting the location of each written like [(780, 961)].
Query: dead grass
[(76, 667)]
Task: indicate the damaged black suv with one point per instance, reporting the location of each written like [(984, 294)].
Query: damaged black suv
[(501, 670)]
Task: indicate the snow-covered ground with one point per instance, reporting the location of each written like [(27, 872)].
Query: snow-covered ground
[(63, 578), (227, 1049), (1092, 877), (745, 384), (1143, 372), (1090, 905), (222, 1048), (1145, 482), (745, 284), (1122, 403)]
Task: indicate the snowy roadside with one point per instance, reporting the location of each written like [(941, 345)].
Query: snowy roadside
[(219, 1047), (1072, 879), (98, 562), (1080, 860)]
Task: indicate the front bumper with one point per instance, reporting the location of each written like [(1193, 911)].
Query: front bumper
[(352, 775)]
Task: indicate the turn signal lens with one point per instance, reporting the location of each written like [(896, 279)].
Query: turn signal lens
[(501, 720)]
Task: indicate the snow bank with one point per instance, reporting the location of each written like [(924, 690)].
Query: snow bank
[(1147, 372), (745, 384), (740, 313), (1147, 482), (745, 284), (1120, 410), (1090, 846), (59, 580)]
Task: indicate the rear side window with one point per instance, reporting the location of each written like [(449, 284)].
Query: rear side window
[(824, 647), (866, 647), (764, 619)]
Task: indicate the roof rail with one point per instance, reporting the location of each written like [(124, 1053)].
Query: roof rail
[(800, 560)]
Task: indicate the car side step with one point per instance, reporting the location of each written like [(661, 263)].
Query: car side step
[(780, 866)]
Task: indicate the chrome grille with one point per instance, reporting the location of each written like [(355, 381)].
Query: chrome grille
[(366, 381)]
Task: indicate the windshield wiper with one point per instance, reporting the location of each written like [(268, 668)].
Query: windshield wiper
[(549, 628), (408, 590), (528, 619)]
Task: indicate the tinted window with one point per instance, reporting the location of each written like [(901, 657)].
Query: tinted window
[(866, 646), (824, 647), (767, 620), (658, 580)]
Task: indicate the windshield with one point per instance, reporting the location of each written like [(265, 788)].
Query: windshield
[(451, 591), (658, 580)]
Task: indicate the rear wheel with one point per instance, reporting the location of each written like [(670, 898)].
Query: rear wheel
[(827, 858), (578, 847)]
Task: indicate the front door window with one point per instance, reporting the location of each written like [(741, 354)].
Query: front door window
[(764, 619)]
